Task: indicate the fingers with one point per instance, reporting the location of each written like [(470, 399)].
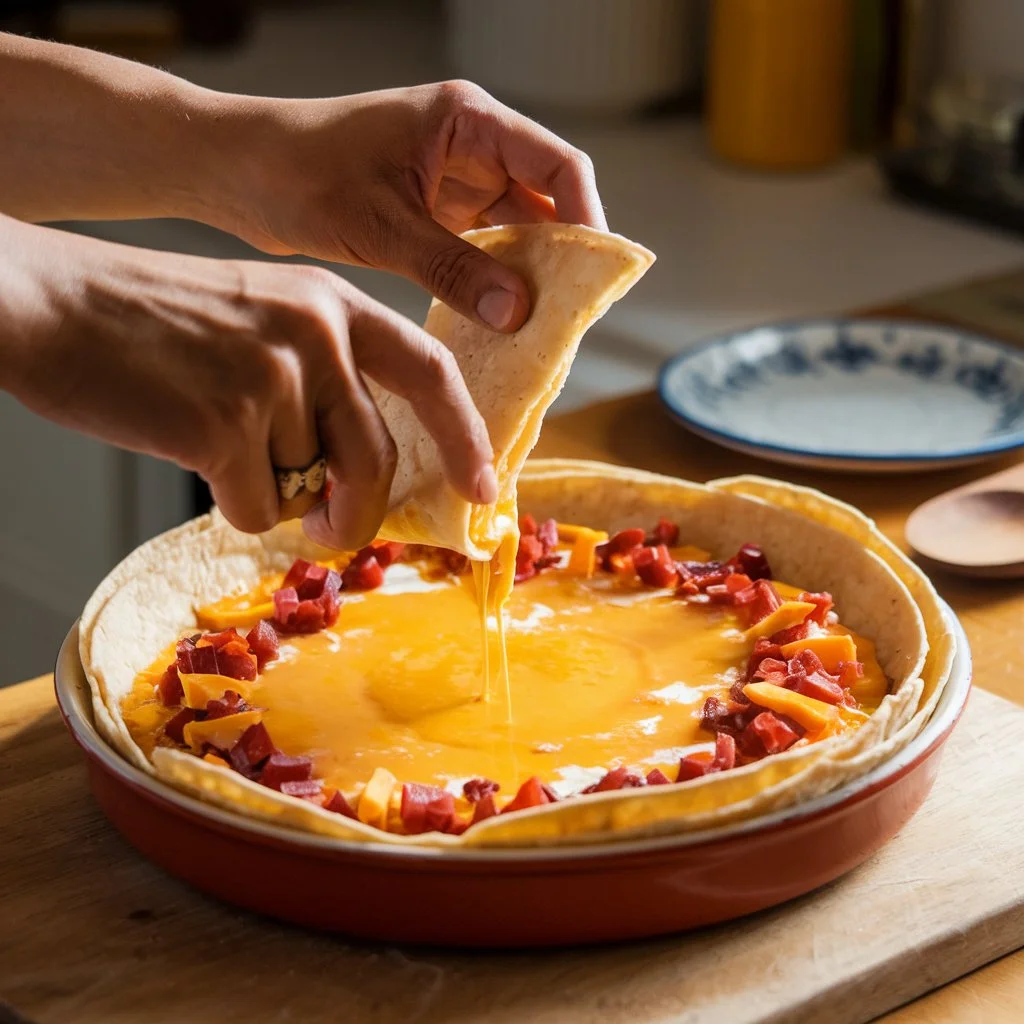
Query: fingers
[(293, 440), (461, 275), (546, 164), (538, 165), (407, 361), (244, 489), (519, 206), (310, 396), (361, 458)]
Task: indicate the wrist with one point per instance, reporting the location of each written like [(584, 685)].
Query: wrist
[(229, 169)]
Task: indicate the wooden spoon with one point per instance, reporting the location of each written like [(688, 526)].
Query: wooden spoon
[(974, 530)]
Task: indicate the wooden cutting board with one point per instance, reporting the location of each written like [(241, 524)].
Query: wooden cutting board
[(92, 933)]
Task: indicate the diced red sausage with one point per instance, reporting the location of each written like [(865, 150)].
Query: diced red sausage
[(766, 599), (336, 803), (484, 808), (655, 566), (282, 768), (774, 734), (232, 703), (305, 788), (666, 533), (426, 808), (387, 552), (750, 559), (527, 524), (693, 766), (531, 794), (476, 789), (175, 727), (822, 603), (169, 687), (617, 778), (263, 642)]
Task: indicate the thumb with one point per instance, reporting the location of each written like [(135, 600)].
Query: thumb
[(463, 276)]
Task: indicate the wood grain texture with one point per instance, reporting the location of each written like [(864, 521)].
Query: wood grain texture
[(94, 934)]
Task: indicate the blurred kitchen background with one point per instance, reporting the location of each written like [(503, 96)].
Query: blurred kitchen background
[(782, 158)]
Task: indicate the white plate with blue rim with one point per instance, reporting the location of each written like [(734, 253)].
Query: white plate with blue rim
[(855, 395)]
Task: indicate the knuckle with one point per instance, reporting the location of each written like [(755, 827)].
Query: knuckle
[(442, 371), (317, 296), (459, 92), (310, 320), (575, 162), (285, 379), (259, 381), (316, 277), (583, 162)]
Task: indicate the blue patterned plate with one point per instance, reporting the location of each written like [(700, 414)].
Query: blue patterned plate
[(856, 395)]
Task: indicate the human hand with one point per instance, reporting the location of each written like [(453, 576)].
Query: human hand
[(229, 369), (383, 179), (389, 179)]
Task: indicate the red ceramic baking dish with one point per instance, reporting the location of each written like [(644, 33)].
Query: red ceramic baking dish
[(511, 898)]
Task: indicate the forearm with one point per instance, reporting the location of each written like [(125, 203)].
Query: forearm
[(84, 135)]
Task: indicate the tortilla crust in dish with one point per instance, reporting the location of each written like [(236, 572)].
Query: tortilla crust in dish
[(152, 596), (574, 274)]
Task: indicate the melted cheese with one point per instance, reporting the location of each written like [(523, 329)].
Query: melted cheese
[(601, 671), (493, 582)]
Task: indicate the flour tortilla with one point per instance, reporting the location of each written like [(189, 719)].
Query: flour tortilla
[(574, 274), (152, 596)]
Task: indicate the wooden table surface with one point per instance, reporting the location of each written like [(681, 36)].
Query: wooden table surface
[(41, 771)]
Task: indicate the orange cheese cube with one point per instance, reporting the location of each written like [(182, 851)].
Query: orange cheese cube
[(584, 547), (831, 648), (376, 798), (810, 713), (222, 733), (789, 613), (202, 687), (231, 612), (394, 810), (569, 532)]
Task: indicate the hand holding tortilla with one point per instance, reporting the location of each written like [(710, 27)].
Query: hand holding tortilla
[(391, 180), (384, 179), (232, 368)]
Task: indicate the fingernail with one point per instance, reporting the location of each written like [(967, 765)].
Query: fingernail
[(497, 308), (487, 486)]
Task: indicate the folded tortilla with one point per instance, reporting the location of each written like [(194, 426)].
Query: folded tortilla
[(811, 541), (574, 274)]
